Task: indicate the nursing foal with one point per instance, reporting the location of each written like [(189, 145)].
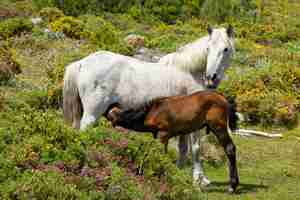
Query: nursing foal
[(180, 115)]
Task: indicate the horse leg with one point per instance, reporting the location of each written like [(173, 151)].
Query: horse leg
[(87, 119), (94, 106), (198, 173), (230, 150), (182, 148)]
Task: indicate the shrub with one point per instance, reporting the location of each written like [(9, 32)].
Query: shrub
[(99, 31), (2, 100), (44, 3), (121, 187), (193, 7), (51, 14), (37, 146), (105, 35), (9, 66), (135, 12), (70, 26), (151, 162), (7, 12), (221, 11), (267, 94), (76, 7), (95, 29), (167, 11), (14, 26), (24, 8), (36, 99), (40, 185)]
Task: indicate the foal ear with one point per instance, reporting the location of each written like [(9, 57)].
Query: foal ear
[(230, 31), (209, 29)]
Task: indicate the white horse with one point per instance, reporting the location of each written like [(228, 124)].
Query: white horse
[(102, 79), (206, 59)]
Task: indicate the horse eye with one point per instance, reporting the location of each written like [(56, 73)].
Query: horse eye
[(226, 49)]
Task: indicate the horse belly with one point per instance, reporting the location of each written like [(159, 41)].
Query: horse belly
[(141, 84), (186, 120)]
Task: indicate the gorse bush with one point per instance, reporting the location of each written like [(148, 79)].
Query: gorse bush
[(224, 10), (268, 94), (167, 11), (14, 26), (122, 187), (9, 65), (51, 14), (77, 7), (41, 185), (164, 10), (70, 26), (151, 162), (95, 29), (103, 34)]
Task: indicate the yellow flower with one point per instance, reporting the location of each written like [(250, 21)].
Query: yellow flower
[(258, 46)]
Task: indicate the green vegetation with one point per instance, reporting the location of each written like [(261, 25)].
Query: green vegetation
[(14, 26), (51, 14), (9, 65), (42, 158)]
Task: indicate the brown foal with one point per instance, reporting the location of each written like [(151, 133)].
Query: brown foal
[(176, 115)]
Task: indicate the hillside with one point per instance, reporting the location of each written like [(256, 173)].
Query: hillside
[(43, 158)]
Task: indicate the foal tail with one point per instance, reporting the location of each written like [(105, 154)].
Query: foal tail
[(233, 117), (72, 106)]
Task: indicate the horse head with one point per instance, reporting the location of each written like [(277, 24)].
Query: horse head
[(219, 52)]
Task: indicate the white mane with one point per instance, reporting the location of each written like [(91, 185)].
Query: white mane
[(190, 58), (193, 56)]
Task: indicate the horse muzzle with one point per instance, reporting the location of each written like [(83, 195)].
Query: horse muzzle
[(212, 81)]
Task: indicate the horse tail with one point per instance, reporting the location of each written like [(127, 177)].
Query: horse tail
[(233, 117), (72, 106)]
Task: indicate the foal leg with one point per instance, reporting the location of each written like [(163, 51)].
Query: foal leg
[(230, 150), (164, 139), (182, 149), (198, 173)]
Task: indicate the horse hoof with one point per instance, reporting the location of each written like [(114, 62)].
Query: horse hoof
[(231, 190), (205, 181)]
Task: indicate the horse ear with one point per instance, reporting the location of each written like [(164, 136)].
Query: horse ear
[(230, 31), (209, 29)]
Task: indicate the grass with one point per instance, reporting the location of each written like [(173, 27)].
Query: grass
[(268, 169)]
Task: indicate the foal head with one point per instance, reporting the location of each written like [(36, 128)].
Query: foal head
[(220, 50)]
